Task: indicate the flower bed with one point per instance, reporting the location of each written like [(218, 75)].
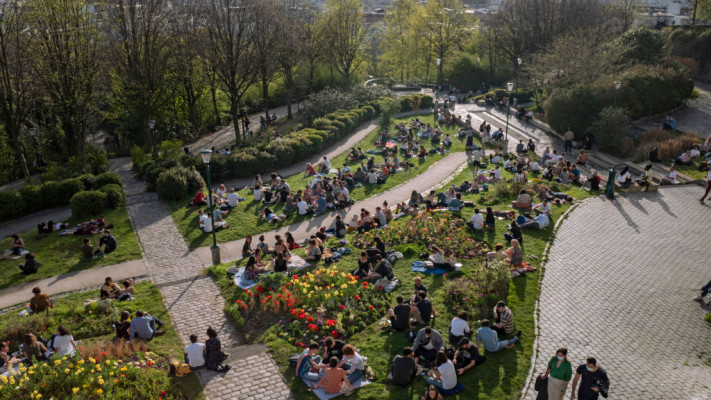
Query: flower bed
[(132, 378), (444, 229), (477, 295), (319, 304)]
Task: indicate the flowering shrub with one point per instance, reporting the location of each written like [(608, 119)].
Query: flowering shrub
[(441, 228), (73, 377), (475, 296), (318, 304)]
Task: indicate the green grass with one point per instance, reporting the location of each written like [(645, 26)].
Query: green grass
[(690, 170), (504, 374), (92, 326), (61, 254), (245, 219)]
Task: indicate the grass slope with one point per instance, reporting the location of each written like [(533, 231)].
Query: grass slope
[(245, 219), (61, 254)]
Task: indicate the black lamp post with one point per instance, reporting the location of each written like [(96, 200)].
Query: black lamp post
[(510, 87), (439, 62), (206, 156), (519, 61)]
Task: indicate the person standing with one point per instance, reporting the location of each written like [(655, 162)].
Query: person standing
[(592, 378), (708, 184), (568, 138), (558, 373)]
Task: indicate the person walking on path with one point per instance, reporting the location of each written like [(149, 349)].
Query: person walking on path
[(593, 380), (708, 184), (568, 138), (558, 373)]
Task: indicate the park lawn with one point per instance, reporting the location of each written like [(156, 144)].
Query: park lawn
[(245, 219), (92, 324), (61, 254), (690, 170), (502, 376)]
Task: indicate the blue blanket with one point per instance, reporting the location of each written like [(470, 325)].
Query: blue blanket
[(419, 266)]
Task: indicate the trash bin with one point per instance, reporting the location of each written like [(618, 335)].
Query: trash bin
[(610, 187)]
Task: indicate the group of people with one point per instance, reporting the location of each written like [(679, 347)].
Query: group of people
[(206, 355), (335, 370)]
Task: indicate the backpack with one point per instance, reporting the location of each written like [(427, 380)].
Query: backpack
[(294, 359), (179, 369)]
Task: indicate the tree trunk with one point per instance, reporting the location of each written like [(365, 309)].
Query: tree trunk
[(265, 96), (289, 86), (213, 92), (312, 67), (20, 154), (234, 112)]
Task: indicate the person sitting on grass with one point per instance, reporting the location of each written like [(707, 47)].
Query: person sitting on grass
[(383, 273), (404, 368), (467, 356), (128, 291), (497, 254), (214, 356), (422, 308), (523, 201), (333, 348), (17, 245), (476, 221), (542, 208), (313, 252), (515, 232), (427, 343), (252, 270), (109, 290), (87, 250), (400, 315), (363, 270), (353, 363), (7, 364), (122, 327), (108, 241), (514, 254), (459, 328), (62, 344), (309, 364), (199, 200), (334, 380), (31, 264), (593, 181), (443, 375), (438, 258), (504, 320), (488, 337), (310, 170), (32, 348), (195, 353), (143, 326)]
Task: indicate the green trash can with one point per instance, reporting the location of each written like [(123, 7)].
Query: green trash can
[(610, 187)]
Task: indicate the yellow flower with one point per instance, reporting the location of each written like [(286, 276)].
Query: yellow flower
[(111, 373), (84, 385), (92, 360), (335, 293), (98, 367), (66, 370), (99, 391), (30, 372), (74, 390), (80, 362), (108, 362), (39, 396), (57, 362), (309, 296), (101, 381)]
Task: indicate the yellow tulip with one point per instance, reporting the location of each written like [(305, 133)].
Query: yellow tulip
[(99, 391), (74, 390)]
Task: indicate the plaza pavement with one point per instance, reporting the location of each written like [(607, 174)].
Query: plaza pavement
[(618, 286)]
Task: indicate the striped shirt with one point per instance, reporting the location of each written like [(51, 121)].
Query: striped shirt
[(506, 319)]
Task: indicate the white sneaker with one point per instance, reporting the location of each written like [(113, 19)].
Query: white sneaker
[(698, 298)]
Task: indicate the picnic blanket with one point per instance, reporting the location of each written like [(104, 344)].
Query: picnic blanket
[(325, 396), (297, 263), (419, 266), (390, 144), (7, 255)]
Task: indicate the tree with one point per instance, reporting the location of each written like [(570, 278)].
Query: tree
[(444, 28), (399, 36), (141, 57), (266, 15), (610, 127), (290, 44), (67, 63), (343, 28), (230, 33), (643, 45), (15, 79), (311, 45)]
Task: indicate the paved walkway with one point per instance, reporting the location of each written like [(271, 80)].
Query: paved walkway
[(619, 288), (694, 118)]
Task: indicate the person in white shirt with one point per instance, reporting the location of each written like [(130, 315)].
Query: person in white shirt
[(543, 208), (258, 194), (476, 221), (302, 207), (459, 328), (540, 222), (625, 178), (672, 175), (326, 164), (232, 198), (443, 376), (497, 159), (195, 353), (63, 344), (708, 185), (372, 177), (201, 218), (497, 173), (694, 152), (535, 167)]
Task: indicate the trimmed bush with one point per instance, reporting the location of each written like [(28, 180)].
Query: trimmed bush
[(107, 178), (88, 203), (218, 167), (88, 180), (138, 158), (32, 196), (55, 173), (576, 107), (11, 204), (249, 162), (115, 196), (194, 180), (172, 184), (68, 187)]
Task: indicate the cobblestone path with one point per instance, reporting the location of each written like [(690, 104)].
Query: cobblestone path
[(619, 285)]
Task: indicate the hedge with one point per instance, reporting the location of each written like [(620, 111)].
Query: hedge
[(32, 197), (178, 182), (88, 203), (11, 204), (107, 178), (115, 196), (250, 161)]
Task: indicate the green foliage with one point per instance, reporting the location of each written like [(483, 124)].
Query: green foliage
[(388, 108), (171, 149), (330, 100), (55, 173), (218, 167), (574, 107), (610, 127), (115, 196), (11, 204), (32, 196), (75, 166), (98, 162), (642, 45), (177, 183), (249, 161), (649, 90), (691, 42), (88, 203), (88, 180), (107, 178), (138, 158)]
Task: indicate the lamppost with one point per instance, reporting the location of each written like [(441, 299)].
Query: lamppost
[(241, 115), (617, 89), (439, 62), (152, 125), (206, 156), (510, 87), (519, 61)]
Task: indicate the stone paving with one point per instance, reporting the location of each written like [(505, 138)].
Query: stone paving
[(618, 286)]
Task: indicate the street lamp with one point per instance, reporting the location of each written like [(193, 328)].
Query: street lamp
[(510, 87), (617, 89), (152, 125), (518, 61), (439, 62), (206, 155)]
